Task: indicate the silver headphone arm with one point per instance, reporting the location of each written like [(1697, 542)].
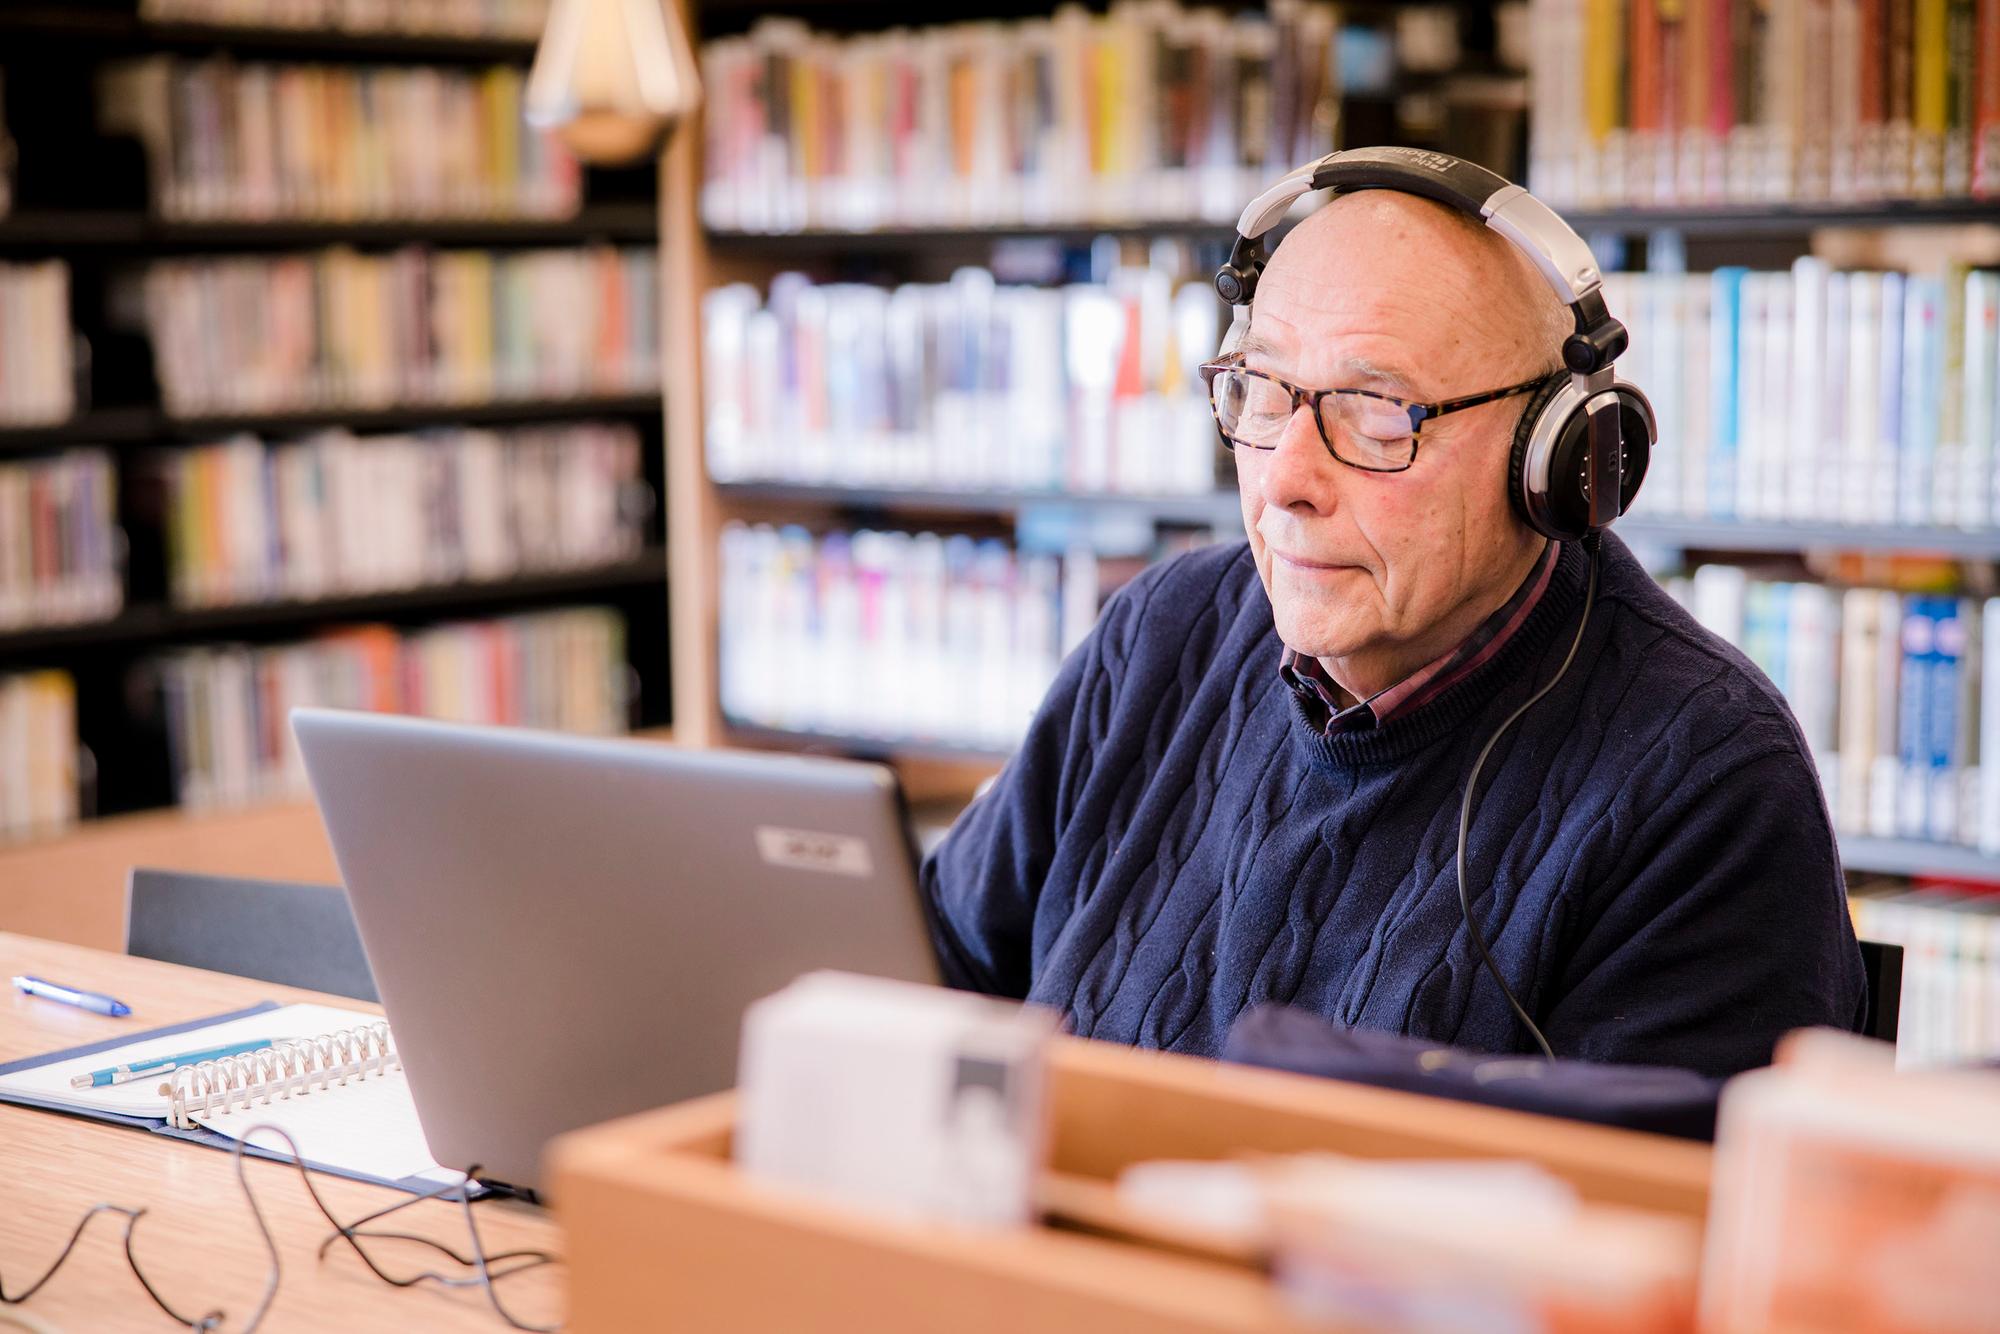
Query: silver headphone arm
[(1533, 227)]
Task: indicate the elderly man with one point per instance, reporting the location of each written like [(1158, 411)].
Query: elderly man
[(1245, 786)]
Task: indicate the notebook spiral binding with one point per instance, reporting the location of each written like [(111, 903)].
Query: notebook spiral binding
[(295, 1065)]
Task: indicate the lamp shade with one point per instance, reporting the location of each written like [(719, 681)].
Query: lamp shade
[(612, 76)]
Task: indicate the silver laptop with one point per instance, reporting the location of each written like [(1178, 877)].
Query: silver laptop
[(566, 930)]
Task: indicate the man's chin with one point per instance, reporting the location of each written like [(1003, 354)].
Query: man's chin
[(1315, 638)]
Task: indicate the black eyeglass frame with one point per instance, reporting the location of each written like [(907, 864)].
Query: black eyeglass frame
[(1312, 398)]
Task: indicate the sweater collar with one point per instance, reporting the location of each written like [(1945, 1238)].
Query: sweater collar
[(1410, 730)]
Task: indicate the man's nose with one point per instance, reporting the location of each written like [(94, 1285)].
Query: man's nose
[(1299, 474)]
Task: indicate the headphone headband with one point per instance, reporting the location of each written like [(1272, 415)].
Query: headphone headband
[(1558, 253)]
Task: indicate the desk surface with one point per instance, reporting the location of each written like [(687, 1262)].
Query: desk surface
[(197, 1242)]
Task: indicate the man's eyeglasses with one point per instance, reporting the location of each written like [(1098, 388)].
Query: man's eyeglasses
[(1361, 428)]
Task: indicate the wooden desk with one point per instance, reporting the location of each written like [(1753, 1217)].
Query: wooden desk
[(197, 1242)]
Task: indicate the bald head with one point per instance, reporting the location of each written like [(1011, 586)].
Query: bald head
[(1487, 292)]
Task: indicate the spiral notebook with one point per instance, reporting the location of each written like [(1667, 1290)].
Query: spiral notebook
[(330, 1079)]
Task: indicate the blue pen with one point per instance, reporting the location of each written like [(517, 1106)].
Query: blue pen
[(87, 1000), (160, 1065)]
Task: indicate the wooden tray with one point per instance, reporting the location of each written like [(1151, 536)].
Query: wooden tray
[(663, 1233)]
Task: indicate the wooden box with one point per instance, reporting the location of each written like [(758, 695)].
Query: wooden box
[(662, 1232)]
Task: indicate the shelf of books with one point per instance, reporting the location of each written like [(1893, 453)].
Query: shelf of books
[(1638, 105), (323, 379)]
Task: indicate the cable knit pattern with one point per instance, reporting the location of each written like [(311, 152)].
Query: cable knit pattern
[(1650, 857)]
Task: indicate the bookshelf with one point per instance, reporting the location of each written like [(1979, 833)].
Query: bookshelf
[(85, 194), (1762, 235)]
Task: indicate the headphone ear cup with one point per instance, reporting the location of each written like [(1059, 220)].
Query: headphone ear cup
[(1524, 432), (1556, 422), (1567, 503), (1637, 430)]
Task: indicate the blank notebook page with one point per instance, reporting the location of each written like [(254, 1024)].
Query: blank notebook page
[(365, 1125)]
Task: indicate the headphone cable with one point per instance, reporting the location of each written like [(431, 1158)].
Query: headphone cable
[(1590, 544)]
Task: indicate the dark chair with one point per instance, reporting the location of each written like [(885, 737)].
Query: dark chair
[(294, 935), (1883, 966)]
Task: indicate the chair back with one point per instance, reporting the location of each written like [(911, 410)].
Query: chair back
[(274, 931)]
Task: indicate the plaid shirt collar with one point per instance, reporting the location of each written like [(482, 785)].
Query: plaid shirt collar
[(1332, 710)]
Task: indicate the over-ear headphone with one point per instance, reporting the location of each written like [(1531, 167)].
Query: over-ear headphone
[(1585, 438)]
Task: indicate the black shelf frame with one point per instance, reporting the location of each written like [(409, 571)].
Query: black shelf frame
[(150, 624), (497, 411), (1724, 220), (140, 425), (70, 230), (1772, 536), (121, 27), (890, 240), (1216, 506), (106, 426), (1915, 857)]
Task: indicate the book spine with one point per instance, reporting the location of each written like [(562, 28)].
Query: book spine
[(1863, 415), (1844, 101), (1810, 79), (1970, 758), (1859, 653), (1986, 117), (1899, 108), (1913, 725), (1930, 97), (1961, 95), (1922, 314), (1980, 373), (1889, 445), (1834, 403), (1988, 822), (1643, 58), (1941, 722), (1871, 86), (1949, 463), (1885, 779), (1725, 335), (1691, 161), (1805, 426)]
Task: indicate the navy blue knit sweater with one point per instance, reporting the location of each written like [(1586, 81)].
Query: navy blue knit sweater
[(1650, 857)]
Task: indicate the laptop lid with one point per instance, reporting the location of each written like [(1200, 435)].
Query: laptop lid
[(565, 930)]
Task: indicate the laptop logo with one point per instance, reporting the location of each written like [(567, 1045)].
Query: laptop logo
[(805, 850)]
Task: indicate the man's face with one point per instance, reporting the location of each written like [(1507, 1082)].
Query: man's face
[(1377, 573)]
